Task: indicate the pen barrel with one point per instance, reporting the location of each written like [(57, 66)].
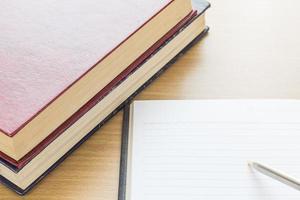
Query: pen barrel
[(277, 175)]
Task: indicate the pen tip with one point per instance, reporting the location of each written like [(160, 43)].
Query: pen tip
[(250, 163)]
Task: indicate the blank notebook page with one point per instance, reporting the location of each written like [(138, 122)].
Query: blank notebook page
[(192, 150)]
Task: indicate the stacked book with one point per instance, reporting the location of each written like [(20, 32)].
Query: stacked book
[(67, 67)]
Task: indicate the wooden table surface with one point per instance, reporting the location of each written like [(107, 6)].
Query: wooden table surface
[(252, 51)]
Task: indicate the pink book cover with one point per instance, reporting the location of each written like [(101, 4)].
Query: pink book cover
[(105, 91), (46, 46)]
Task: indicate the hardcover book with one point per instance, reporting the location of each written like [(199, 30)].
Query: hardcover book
[(18, 164), (56, 56), (24, 178)]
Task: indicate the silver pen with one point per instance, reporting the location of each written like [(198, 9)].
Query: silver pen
[(275, 174)]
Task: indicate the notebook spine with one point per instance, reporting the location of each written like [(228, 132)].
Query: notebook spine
[(126, 112)]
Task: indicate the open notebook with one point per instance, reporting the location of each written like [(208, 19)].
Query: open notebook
[(199, 149)]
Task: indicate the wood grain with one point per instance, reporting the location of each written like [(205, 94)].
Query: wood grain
[(252, 51)]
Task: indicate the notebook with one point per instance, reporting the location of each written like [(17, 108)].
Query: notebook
[(199, 149)]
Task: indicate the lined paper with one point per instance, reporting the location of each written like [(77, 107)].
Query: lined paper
[(199, 149)]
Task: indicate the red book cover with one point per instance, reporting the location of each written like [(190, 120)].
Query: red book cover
[(46, 49), (48, 45), (56, 55), (22, 162)]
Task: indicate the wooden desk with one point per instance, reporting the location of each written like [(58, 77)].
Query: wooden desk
[(252, 51)]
